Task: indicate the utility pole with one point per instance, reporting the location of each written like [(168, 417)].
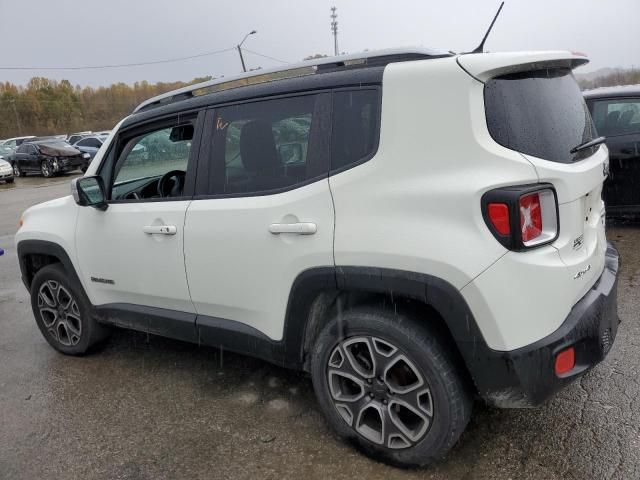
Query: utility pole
[(13, 104), (244, 67), (334, 29)]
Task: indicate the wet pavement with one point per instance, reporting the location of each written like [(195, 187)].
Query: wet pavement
[(144, 407)]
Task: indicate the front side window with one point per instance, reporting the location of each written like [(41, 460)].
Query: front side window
[(153, 164), (268, 145), (619, 116), (22, 148)]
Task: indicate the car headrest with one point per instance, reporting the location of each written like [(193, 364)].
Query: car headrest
[(258, 147)]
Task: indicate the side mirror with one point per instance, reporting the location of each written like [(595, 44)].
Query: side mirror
[(89, 192)]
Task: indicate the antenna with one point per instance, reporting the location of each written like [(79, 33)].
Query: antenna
[(480, 48)]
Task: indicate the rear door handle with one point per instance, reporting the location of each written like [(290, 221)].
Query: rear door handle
[(300, 228), (160, 229)]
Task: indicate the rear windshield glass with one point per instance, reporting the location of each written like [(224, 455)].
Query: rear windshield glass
[(540, 113)]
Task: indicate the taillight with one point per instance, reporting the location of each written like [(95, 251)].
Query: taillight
[(522, 217), (530, 217), (499, 216)]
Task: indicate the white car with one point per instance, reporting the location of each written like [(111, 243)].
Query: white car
[(15, 142), (6, 171), (413, 228)]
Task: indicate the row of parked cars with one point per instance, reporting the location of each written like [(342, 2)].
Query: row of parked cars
[(48, 156)]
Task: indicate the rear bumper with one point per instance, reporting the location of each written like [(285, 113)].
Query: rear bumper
[(526, 376)]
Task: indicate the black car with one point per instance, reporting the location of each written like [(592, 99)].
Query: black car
[(47, 157), (616, 114)]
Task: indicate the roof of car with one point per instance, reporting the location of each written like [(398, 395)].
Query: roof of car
[(303, 69), (617, 91)]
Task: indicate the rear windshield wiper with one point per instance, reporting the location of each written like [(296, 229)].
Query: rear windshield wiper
[(589, 144)]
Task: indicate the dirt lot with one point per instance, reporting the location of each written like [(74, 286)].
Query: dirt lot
[(150, 408)]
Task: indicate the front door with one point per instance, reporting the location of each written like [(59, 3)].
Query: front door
[(263, 213), (131, 255)]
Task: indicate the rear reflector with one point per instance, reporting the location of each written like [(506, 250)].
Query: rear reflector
[(499, 216), (565, 361), (530, 217)]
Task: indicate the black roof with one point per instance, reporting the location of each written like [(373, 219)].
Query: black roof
[(609, 92), (343, 78)]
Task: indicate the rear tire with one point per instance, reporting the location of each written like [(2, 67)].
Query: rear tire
[(388, 384), (63, 312)]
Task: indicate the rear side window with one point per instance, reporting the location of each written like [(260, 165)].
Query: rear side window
[(540, 113), (354, 136), (270, 145), (619, 116)]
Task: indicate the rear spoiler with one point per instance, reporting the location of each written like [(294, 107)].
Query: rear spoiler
[(483, 66)]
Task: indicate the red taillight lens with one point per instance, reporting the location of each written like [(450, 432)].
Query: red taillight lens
[(530, 217), (499, 216), (565, 361), (522, 217)]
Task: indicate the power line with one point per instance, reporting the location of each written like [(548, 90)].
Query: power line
[(265, 56), (93, 67)]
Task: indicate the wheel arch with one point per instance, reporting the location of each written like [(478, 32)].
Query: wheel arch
[(318, 294), (36, 254)]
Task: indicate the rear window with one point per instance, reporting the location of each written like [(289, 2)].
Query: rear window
[(540, 113)]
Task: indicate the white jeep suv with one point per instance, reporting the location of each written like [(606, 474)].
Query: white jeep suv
[(413, 228)]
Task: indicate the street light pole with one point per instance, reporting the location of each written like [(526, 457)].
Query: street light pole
[(244, 67)]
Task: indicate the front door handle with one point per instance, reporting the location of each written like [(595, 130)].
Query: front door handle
[(300, 228), (160, 229)]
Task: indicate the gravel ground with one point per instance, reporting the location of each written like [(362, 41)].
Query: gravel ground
[(145, 407)]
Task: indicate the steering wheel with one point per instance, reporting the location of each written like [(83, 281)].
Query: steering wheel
[(171, 184)]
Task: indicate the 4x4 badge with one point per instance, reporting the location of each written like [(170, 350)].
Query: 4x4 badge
[(582, 272)]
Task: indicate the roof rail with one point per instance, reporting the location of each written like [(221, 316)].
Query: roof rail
[(307, 67)]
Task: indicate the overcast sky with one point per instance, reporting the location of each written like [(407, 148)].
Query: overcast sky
[(55, 33)]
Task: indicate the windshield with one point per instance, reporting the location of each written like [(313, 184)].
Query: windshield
[(540, 113)]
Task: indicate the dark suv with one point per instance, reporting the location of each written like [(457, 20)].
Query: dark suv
[(616, 114)]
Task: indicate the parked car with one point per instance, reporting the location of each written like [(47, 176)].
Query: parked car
[(74, 137), (47, 157), (616, 114), (404, 275), (16, 141), (90, 144), (5, 152), (6, 172)]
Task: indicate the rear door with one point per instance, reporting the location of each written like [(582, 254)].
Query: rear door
[(541, 113), (619, 120), (263, 212), (23, 158)]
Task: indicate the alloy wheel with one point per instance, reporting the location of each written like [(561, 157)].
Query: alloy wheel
[(16, 170), (60, 313), (379, 392), (46, 169)]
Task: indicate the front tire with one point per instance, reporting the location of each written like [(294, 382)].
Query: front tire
[(45, 169), (388, 384), (63, 312), (10, 180), (16, 170)]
